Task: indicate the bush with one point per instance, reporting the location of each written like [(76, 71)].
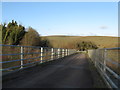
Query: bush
[(45, 43), (84, 45), (31, 38), (12, 33)]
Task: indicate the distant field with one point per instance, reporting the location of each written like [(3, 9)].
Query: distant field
[(100, 41)]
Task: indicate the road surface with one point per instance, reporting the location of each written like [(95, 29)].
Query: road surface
[(69, 72)]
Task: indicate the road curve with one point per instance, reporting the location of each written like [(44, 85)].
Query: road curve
[(69, 72)]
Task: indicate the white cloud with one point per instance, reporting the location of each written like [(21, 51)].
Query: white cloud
[(103, 27)]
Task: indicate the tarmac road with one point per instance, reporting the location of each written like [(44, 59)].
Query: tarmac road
[(68, 72)]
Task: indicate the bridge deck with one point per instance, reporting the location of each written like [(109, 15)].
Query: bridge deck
[(69, 72)]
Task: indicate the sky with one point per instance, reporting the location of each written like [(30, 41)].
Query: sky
[(65, 18)]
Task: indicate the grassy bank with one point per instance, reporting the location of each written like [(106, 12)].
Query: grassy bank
[(69, 41)]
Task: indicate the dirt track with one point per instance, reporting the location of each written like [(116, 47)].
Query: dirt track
[(69, 72)]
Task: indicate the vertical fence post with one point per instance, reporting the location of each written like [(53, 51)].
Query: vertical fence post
[(58, 53), (41, 55), (21, 56), (105, 55), (52, 52), (66, 52), (62, 52)]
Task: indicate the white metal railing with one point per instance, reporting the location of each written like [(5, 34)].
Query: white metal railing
[(16, 57), (103, 61)]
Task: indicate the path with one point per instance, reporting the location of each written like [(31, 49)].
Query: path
[(69, 72)]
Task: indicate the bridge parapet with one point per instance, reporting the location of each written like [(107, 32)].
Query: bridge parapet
[(108, 64), (15, 58)]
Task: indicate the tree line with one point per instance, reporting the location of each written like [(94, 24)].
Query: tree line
[(16, 34)]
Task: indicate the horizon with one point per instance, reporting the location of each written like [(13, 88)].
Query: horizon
[(75, 36), (65, 18)]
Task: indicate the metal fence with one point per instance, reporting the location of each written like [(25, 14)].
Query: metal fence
[(15, 58), (107, 63)]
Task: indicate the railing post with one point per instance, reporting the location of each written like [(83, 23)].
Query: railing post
[(105, 55), (58, 53), (41, 55), (21, 56), (66, 52), (52, 52), (62, 52)]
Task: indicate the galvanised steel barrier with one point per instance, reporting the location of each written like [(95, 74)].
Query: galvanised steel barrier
[(107, 63), (15, 58)]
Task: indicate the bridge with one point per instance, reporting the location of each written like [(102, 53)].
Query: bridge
[(43, 67)]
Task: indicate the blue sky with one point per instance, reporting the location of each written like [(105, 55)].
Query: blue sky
[(65, 18)]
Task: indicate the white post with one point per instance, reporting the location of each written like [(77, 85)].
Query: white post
[(21, 56), (41, 55), (66, 52), (58, 53), (105, 55), (62, 52), (52, 52)]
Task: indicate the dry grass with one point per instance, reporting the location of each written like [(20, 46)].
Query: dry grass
[(16, 50), (66, 41), (10, 50), (61, 42), (112, 55)]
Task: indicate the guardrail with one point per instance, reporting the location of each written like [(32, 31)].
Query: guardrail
[(108, 67), (15, 58)]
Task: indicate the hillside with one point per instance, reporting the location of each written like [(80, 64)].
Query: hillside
[(69, 41)]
